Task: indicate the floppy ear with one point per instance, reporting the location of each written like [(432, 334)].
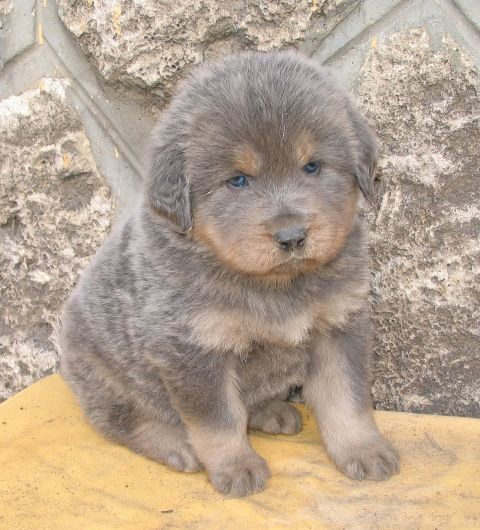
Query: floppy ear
[(167, 187), (367, 152)]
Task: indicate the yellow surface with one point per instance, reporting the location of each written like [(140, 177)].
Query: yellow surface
[(56, 472)]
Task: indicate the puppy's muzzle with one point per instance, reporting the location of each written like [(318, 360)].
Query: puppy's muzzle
[(291, 238)]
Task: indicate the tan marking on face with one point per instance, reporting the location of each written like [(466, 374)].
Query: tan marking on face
[(329, 230), (249, 250), (246, 159), (304, 148)]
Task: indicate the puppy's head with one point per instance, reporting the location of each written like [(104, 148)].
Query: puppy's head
[(261, 158)]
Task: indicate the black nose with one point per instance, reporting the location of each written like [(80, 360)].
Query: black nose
[(291, 238)]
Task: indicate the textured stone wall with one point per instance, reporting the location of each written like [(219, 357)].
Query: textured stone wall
[(82, 82), (424, 101), (55, 209)]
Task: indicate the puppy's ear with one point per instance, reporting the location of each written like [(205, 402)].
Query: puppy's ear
[(167, 187), (367, 153)]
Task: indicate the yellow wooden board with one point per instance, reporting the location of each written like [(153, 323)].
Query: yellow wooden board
[(57, 473)]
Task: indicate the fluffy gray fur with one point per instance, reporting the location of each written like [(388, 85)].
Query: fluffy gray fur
[(193, 322)]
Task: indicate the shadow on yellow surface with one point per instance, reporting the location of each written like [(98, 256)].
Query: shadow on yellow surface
[(56, 472)]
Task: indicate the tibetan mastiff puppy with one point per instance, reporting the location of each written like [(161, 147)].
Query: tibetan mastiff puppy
[(242, 273)]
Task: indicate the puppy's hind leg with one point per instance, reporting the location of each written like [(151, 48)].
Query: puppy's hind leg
[(165, 443), (160, 441), (121, 420), (275, 417)]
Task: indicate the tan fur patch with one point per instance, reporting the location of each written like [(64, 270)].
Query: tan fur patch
[(348, 428), (232, 330), (304, 148), (250, 248), (247, 160), (255, 254), (329, 230), (342, 424), (219, 330), (335, 310), (214, 446)]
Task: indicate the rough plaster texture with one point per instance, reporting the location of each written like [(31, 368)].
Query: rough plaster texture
[(54, 212), (424, 101), (151, 44), (413, 65)]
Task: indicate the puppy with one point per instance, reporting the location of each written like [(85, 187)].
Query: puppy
[(242, 274)]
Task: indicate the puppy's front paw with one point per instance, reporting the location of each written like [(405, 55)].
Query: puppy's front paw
[(277, 417), (375, 460), (245, 475)]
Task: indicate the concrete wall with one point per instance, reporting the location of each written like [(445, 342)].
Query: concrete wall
[(81, 84)]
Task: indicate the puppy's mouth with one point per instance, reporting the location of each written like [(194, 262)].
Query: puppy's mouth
[(295, 264)]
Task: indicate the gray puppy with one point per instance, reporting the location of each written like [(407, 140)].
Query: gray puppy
[(242, 273)]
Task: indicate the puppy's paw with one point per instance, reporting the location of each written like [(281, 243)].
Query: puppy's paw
[(375, 460), (181, 459), (277, 417), (245, 475), (164, 443)]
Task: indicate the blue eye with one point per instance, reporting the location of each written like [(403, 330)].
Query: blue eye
[(240, 181), (311, 167)]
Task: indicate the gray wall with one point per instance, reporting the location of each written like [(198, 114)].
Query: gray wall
[(82, 82)]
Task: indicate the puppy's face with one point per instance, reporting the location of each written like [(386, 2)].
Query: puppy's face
[(271, 164), (271, 207)]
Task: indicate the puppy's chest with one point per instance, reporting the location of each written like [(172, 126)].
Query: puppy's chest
[(236, 330)]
